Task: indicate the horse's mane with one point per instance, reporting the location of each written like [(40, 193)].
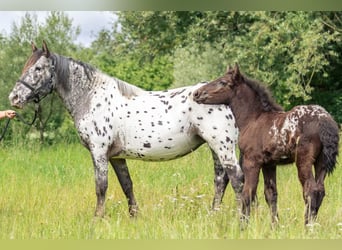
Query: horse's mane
[(127, 89), (63, 73), (265, 96)]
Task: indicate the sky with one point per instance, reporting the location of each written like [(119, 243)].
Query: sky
[(90, 22)]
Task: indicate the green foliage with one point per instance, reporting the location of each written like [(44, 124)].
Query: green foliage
[(155, 75), (193, 64)]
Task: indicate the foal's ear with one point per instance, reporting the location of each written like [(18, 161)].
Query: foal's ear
[(46, 51), (34, 47), (236, 73), (229, 68)]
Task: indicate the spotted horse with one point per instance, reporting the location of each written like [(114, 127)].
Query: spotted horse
[(306, 135), (118, 121)]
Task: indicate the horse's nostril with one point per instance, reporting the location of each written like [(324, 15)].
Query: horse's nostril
[(14, 99)]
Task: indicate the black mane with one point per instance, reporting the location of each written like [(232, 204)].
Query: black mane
[(266, 99)]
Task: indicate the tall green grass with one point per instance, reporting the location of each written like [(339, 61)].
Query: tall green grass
[(49, 193)]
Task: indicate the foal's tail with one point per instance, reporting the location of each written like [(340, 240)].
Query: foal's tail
[(329, 136)]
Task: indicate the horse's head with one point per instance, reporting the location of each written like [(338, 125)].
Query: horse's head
[(221, 90), (37, 79)]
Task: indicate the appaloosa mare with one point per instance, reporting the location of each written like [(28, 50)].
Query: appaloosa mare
[(116, 121), (306, 135)]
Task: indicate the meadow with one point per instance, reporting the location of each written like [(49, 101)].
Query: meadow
[(49, 193)]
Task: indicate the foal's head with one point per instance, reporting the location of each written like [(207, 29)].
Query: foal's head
[(221, 90), (235, 86)]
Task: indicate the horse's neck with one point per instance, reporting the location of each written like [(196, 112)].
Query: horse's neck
[(83, 83), (246, 108), (75, 82)]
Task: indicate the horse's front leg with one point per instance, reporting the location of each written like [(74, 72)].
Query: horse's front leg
[(121, 170), (101, 181), (251, 172)]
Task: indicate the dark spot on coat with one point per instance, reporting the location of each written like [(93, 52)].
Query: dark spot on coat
[(147, 145)]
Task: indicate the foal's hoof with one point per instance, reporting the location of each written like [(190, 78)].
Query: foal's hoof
[(99, 213), (244, 221), (133, 211)]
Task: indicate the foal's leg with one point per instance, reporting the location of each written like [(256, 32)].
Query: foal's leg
[(251, 171), (220, 181), (121, 170), (270, 189), (304, 164), (320, 173)]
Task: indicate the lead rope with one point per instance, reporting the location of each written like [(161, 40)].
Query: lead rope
[(5, 129), (20, 118)]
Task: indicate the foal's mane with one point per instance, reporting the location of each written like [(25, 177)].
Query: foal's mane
[(267, 102)]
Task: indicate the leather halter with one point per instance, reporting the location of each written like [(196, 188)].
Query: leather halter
[(46, 84)]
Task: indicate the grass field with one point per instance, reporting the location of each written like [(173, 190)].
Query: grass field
[(49, 193)]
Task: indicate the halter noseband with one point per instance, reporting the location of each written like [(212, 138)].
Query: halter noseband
[(35, 92)]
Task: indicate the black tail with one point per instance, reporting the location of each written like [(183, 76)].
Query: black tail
[(329, 135)]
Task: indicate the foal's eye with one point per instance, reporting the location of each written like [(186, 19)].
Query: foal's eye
[(223, 82)]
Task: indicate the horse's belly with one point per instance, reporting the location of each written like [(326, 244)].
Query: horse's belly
[(160, 149)]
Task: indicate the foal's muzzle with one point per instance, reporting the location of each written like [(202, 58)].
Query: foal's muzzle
[(200, 96)]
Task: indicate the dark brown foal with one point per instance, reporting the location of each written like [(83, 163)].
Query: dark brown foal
[(306, 135)]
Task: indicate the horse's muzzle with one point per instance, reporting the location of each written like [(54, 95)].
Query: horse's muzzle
[(15, 101)]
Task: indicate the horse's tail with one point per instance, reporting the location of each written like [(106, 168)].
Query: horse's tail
[(329, 136)]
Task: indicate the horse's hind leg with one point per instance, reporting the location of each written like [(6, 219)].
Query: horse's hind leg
[(320, 173), (270, 189), (220, 181), (121, 170), (311, 191), (227, 169)]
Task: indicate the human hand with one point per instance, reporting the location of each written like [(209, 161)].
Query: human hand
[(10, 113)]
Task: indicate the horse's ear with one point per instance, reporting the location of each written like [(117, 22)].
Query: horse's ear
[(229, 68), (236, 73), (34, 47), (46, 51)]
